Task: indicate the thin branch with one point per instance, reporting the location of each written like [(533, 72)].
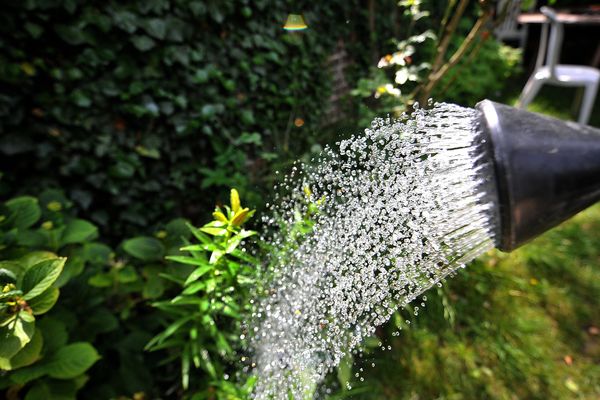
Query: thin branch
[(449, 32), (435, 76)]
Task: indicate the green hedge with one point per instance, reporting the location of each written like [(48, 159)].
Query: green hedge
[(140, 107)]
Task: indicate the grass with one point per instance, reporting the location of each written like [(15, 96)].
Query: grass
[(523, 325), (510, 326)]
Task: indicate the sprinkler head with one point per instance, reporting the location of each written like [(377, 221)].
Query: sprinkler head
[(547, 170)]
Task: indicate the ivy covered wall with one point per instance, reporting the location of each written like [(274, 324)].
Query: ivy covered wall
[(144, 109)]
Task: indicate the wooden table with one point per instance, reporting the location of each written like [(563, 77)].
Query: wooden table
[(564, 17), (569, 17)]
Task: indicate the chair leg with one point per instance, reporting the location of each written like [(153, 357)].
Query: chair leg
[(531, 89), (588, 102)]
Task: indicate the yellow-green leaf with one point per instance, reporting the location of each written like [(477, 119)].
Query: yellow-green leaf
[(235, 201), (240, 217), (219, 216)]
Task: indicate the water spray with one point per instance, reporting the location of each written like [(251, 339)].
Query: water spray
[(397, 210), (546, 170)]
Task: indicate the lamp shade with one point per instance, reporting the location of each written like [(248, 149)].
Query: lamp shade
[(295, 22)]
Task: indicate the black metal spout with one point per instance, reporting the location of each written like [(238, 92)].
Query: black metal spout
[(547, 170)]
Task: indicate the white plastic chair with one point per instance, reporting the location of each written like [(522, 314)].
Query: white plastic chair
[(510, 29), (558, 74)]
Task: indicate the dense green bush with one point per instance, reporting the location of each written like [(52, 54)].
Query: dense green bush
[(482, 74), (122, 102), (86, 320)]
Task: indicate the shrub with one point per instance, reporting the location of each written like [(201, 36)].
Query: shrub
[(122, 102)]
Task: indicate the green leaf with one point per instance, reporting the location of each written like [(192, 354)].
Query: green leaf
[(194, 287), (154, 285), (56, 389), (100, 280), (39, 277), (7, 276), (78, 231), (170, 330), (27, 355), (144, 248), (156, 27), (27, 374), (200, 247), (216, 256), (14, 267), (45, 301), (199, 235), (35, 257), (214, 231), (187, 260), (55, 333), (142, 43), (25, 211), (10, 294), (72, 360), (344, 370), (197, 273), (15, 333)]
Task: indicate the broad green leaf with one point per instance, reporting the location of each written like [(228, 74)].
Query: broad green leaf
[(154, 286), (127, 275), (56, 389), (100, 280), (144, 248), (96, 253), (73, 267), (45, 301), (25, 211), (177, 230), (142, 43), (41, 276), (197, 273), (30, 373), (35, 257), (101, 320), (7, 276), (55, 333), (15, 333), (78, 231), (13, 267), (39, 391), (32, 239), (27, 355), (72, 360)]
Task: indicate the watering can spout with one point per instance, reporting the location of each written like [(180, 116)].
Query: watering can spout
[(546, 170)]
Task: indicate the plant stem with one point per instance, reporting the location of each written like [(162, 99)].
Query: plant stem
[(437, 74)]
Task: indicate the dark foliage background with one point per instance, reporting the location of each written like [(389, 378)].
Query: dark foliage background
[(122, 102)]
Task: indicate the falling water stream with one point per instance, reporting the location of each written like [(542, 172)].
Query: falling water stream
[(394, 211)]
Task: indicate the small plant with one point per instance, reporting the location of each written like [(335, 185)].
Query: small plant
[(34, 350), (204, 319)]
